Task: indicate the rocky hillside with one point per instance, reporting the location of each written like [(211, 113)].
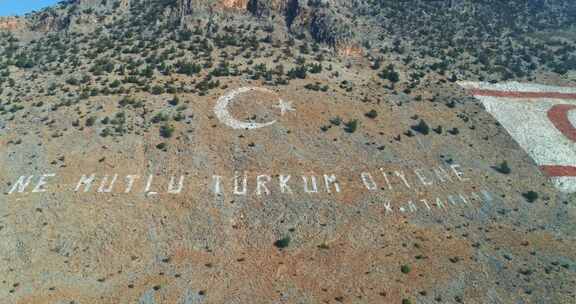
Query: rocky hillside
[(361, 171), (429, 36)]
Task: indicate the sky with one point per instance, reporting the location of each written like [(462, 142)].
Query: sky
[(21, 7)]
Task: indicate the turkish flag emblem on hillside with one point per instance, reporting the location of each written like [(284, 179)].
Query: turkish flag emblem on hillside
[(542, 119)]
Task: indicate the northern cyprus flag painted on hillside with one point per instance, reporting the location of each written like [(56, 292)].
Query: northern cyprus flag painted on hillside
[(542, 119)]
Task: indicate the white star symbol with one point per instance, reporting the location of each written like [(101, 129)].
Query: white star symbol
[(285, 106)]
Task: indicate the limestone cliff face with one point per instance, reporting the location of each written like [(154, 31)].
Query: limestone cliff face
[(100, 3), (11, 23), (318, 19), (188, 7), (234, 4), (325, 25), (262, 8)]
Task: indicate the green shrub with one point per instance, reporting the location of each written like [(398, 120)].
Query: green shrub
[(313, 86), (166, 131), (161, 146), (390, 74), (282, 243), (157, 90), (372, 114), (502, 168), (72, 81), (188, 68), (90, 121), (351, 126), (116, 83), (297, 72), (422, 127), (159, 117), (336, 120), (106, 132), (174, 101), (405, 269), (315, 68), (530, 196)]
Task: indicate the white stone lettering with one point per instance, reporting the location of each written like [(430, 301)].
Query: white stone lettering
[(452, 200), (412, 207), (402, 176), (386, 178), (441, 174), (148, 188), (42, 182), (217, 184), (368, 181), (459, 174), (314, 184), (439, 203), (107, 189), (422, 178), (21, 184), (261, 181), (464, 199), (330, 180), (244, 189), (425, 202), (284, 187), (173, 189), (130, 179), (388, 207), (86, 181)]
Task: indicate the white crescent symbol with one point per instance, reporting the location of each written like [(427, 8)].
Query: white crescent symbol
[(221, 110)]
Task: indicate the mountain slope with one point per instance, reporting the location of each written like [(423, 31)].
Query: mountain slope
[(375, 177)]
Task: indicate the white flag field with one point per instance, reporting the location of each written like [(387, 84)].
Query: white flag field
[(542, 119)]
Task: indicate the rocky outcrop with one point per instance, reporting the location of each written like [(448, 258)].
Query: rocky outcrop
[(348, 49), (328, 27), (49, 20), (260, 8), (124, 4), (88, 2), (234, 4), (318, 17), (184, 7)]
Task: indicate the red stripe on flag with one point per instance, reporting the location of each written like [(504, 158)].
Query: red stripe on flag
[(516, 94), (559, 171), (558, 115)]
